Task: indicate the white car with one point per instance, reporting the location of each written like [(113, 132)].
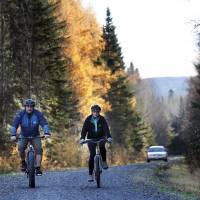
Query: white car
[(156, 153)]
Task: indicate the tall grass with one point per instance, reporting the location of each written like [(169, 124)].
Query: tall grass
[(9, 161), (178, 177), (184, 181)]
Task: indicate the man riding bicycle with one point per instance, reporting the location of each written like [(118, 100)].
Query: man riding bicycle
[(29, 120), (95, 127)]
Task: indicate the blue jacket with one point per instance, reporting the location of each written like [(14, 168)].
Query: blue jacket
[(29, 123)]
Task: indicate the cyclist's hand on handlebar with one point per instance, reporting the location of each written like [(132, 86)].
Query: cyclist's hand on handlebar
[(46, 135), (81, 141), (13, 138), (109, 140)]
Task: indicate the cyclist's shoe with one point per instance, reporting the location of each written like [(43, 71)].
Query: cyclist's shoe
[(105, 165), (23, 166), (38, 171), (90, 178)]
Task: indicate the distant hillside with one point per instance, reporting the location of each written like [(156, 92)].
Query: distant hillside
[(162, 85)]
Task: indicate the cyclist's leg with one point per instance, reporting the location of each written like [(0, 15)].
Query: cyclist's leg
[(92, 150), (103, 155), (37, 144), (22, 145), (103, 151)]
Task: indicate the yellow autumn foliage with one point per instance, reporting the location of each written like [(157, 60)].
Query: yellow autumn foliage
[(84, 45)]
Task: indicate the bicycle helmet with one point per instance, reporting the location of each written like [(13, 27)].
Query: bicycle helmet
[(95, 108), (29, 102)]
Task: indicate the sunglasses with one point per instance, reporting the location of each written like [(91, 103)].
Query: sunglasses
[(29, 106)]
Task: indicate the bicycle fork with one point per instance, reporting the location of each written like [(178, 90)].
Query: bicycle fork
[(30, 151), (98, 160)]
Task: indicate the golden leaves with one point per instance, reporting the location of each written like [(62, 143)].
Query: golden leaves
[(84, 45)]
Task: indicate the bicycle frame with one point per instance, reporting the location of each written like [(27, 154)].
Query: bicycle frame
[(97, 159), (30, 150), (30, 160), (98, 145), (30, 146)]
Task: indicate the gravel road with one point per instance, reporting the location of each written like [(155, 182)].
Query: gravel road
[(118, 183)]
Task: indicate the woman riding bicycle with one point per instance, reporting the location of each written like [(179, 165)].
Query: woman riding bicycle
[(29, 120), (95, 127)]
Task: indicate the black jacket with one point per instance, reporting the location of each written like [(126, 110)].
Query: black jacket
[(89, 129)]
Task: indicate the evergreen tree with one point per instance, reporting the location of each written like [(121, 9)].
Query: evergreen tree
[(34, 65), (191, 133), (36, 35), (123, 118), (133, 76), (141, 137), (191, 124), (131, 69), (112, 53), (7, 104)]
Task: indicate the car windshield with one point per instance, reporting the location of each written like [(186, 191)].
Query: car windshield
[(156, 149)]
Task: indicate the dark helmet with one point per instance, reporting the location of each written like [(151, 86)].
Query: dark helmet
[(96, 108), (29, 102)]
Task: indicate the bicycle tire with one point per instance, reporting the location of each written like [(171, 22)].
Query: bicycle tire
[(31, 168), (97, 171)]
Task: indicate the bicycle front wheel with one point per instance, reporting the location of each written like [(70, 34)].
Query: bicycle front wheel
[(31, 168), (97, 171)]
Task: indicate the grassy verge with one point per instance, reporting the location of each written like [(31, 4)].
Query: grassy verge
[(64, 156), (177, 178)]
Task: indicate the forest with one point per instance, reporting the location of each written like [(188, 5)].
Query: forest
[(55, 52)]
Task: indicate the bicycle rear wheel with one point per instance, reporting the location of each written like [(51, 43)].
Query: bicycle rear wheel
[(31, 168), (97, 171)]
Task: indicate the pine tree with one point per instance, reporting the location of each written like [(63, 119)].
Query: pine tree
[(191, 124), (177, 144), (133, 76), (131, 69), (191, 133), (122, 117), (35, 66), (7, 105), (112, 53), (36, 35), (128, 128)]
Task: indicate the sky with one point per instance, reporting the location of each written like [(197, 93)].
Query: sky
[(156, 35)]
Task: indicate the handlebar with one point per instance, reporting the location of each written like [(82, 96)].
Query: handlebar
[(95, 141), (30, 137)]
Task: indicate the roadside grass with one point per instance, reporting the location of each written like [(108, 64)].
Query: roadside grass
[(66, 155), (177, 178), (9, 162)]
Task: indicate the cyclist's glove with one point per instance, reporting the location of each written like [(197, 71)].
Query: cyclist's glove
[(13, 138), (81, 141), (109, 140), (47, 135)]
